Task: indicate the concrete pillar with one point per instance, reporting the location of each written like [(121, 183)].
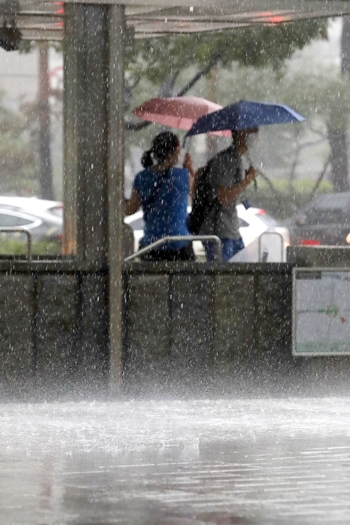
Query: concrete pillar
[(116, 191), (86, 132), (94, 145)]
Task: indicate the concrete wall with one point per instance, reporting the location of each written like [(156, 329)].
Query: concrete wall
[(53, 332), (191, 329), (205, 332), (223, 331)]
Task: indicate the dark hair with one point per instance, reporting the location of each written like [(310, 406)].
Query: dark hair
[(253, 129), (163, 145), (146, 159)]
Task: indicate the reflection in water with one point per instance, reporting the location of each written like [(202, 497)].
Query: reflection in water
[(176, 462)]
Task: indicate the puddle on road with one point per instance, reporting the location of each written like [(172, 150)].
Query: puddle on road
[(176, 462)]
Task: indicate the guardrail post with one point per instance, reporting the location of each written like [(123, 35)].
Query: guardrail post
[(28, 235), (172, 238), (271, 233)]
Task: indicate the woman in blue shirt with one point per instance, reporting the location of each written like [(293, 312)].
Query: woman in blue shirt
[(162, 191)]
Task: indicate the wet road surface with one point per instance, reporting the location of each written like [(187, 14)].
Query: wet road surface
[(248, 462)]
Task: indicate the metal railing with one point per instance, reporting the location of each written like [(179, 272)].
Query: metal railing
[(261, 256), (29, 238), (172, 238)]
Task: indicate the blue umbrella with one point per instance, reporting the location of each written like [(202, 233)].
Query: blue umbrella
[(244, 115)]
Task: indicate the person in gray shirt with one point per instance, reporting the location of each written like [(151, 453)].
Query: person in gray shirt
[(226, 177)]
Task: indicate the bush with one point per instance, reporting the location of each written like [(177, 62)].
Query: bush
[(17, 247)]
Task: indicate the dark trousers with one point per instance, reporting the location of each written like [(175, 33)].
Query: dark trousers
[(229, 248), (185, 253)]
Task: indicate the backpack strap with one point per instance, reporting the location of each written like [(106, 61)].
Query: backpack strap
[(204, 200)]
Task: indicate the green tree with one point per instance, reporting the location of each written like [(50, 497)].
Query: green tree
[(179, 65), (160, 61), (325, 102), (18, 162), (39, 114)]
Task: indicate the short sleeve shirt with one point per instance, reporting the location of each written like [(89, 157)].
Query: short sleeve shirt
[(163, 197), (226, 171)]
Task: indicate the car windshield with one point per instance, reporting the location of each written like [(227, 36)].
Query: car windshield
[(242, 223), (137, 224), (7, 220), (326, 216), (57, 211)]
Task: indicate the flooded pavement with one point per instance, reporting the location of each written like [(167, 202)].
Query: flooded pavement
[(176, 462)]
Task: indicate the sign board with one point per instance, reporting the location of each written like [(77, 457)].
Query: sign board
[(321, 311)]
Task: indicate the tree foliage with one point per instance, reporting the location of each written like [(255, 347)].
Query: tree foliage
[(156, 59), (17, 156)]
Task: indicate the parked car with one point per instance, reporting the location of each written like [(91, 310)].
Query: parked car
[(39, 207), (42, 225), (324, 221), (264, 238)]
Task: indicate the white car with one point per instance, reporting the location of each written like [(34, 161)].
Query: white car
[(264, 239), (42, 218), (33, 205)]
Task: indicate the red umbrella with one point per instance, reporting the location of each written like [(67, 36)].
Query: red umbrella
[(177, 112)]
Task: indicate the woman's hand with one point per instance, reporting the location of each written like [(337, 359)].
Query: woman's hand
[(187, 163), (132, 205)]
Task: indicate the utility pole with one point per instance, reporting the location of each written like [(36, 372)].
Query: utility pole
[(44, 124)]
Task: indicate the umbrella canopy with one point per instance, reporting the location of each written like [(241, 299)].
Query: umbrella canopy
[(176, 112), (244, 115)]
